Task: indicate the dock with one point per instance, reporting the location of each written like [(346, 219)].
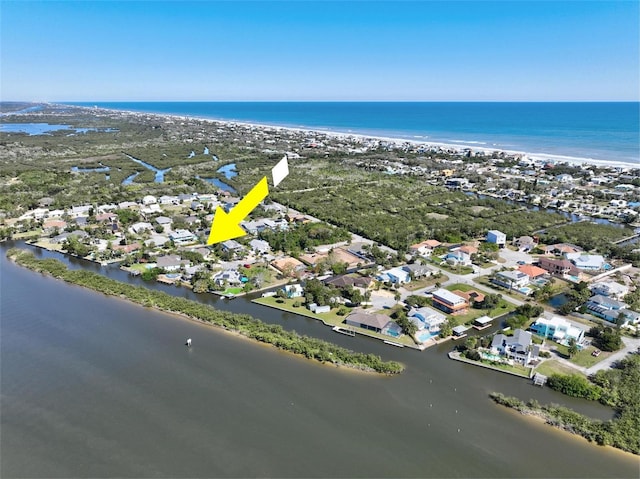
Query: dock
[(539, 379), (345, 331)]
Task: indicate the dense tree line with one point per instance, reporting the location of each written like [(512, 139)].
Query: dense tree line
[(244, 324)]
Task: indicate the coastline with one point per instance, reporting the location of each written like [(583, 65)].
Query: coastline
[(359, 137)]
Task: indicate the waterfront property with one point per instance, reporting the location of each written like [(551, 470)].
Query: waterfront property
[(427, 319), (557, 329), (518, 347), (449, 302), (378, 323)]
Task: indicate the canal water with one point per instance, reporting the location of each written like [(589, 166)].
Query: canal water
[(96, 386)]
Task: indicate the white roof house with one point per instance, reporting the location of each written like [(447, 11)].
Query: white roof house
[(149, 200), (586, 261), (140, 227), (182, 237), (610, 289)]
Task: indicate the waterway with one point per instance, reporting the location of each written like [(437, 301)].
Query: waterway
[(229, 171), (159, 173), (115, 392)]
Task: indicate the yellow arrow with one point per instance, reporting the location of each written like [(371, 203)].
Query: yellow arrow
[(226, 226)]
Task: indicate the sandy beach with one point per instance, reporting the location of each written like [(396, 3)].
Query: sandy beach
[(359, 139)]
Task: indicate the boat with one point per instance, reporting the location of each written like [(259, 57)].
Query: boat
[(348, 332)]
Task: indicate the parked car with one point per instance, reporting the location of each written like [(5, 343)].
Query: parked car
[(596, 353)]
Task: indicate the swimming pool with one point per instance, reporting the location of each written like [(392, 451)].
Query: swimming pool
[(425, 335)]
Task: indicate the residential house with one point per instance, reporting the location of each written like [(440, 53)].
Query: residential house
[(229, 277), (395, 276), (458, 258), (472, 296), (138, 228), (562, 248), (559, 267), (533, 272), (418, 270), (156, 240), (288, 266), (293, 291), (586, 262), (181, 237), (164, 221), (610, 289), (149, 200), (427, 318), (78, 211), (449, 302), (424, 248), (260, 246), (61, 238), (128, 205), (378, 323), (49, 226), (468, 249), (511, 279), (171, 262), (525, 243), (608, 308), (497, 237), (518, 347), (557, 329), (169, 200), (232, 246)]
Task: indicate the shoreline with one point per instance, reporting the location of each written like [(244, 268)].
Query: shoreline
[(454, 148), (261, 331)]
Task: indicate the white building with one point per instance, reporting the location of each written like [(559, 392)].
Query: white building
[(497, 237), (558, 329), (610, 289)]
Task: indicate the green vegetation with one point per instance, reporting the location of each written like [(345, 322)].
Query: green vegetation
[(606, 337), (246, 325), (304, 236), (587, 235), (617, 387)]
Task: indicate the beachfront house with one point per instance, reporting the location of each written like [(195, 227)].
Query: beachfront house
[(497, 237), (557, 329)]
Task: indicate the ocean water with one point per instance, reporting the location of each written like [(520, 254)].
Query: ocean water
[(591, 130)]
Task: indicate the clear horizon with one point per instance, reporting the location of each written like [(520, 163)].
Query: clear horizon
[(518, 51)]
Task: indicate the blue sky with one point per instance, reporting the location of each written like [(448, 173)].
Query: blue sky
[(234, 50)]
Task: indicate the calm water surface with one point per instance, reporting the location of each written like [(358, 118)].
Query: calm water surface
[(94, 386)]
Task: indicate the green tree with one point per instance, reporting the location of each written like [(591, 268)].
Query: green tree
[(573, 348)]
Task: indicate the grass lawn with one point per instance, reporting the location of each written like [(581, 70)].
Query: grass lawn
[(503, 308), (142, 267), (585, 359), (425, 282), (516, 368), (28, 234), (235, 290), (552, 366), (460, 287)]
